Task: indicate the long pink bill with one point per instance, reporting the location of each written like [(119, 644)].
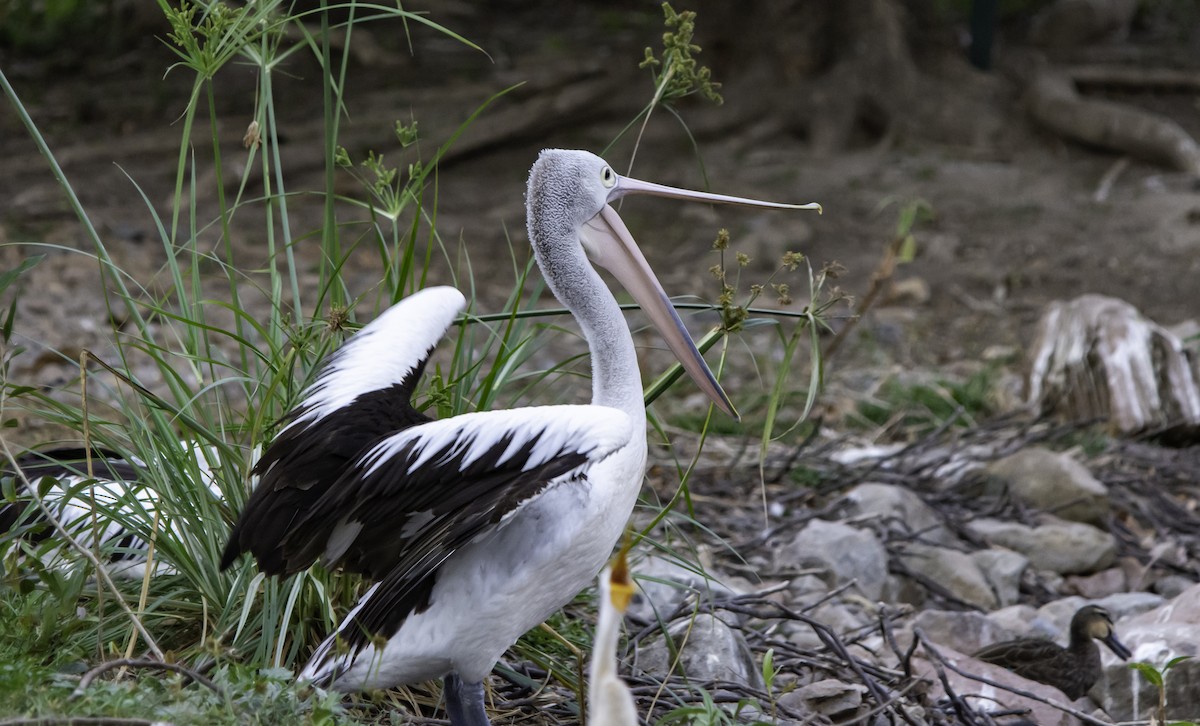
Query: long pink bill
[(609, 244)]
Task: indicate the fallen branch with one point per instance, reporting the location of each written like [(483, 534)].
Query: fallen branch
[(144, 663)]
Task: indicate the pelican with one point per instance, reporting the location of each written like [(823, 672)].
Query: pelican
[(118, 480), (477, 527)]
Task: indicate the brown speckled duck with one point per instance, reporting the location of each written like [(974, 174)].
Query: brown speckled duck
[(1071, 670)]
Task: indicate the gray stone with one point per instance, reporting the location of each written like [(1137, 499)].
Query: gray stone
[(1120, 606), (1172, 585), (838, 616), (1067, 548), (709, 650), (1002, 568), (1024, 621), (899, 509), (1052, 482), (964, 631), (663, 583), (953, 570), (1100, 584), (830, 697), (1128, 604), (844, 553)]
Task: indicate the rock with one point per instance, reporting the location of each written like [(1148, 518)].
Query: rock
[(663, 583), (806, 590), (845, 554), (1064, 547), (711, 650), (837, 616), (964, 631), (831, 698), (1054, 483), (989, 698), (1002, 569), (1121, 606), (1098, 357), (1129, 604), (1024, 621), (1172, 585), (1100, 584), (899, 509), (953, 570), (1155, 637), (908, 291)]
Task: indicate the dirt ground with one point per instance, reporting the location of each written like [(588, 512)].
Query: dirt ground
[(1015, 221)]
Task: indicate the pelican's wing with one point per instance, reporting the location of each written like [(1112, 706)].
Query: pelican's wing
[(420, 495), (68, 467), (415, 497), (362, 394)]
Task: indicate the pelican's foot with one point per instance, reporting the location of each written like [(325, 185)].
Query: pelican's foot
[(464, 702)]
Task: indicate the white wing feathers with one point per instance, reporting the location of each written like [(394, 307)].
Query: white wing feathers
[(384, 352)]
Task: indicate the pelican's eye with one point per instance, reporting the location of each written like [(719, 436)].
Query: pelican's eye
[(608, 177)]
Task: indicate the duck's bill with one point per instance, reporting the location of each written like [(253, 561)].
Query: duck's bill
[(1117, 646), (625, 185), (609, 244)]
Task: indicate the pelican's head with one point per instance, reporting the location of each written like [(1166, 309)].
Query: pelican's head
[(567, 207)]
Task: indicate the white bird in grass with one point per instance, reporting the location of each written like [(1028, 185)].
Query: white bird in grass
[(476, 527), (610, 702), (96, 512)]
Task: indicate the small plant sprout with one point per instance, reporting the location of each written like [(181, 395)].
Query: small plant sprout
[(1157, 677)]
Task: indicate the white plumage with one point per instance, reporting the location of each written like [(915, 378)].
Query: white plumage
[(476, 527)]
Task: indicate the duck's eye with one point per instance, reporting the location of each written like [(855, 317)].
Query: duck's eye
[(608, 177)]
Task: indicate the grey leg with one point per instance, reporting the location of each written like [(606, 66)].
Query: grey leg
[(464, 702)]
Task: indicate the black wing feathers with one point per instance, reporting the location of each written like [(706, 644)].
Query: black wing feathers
[(456, 516), (302, 464)]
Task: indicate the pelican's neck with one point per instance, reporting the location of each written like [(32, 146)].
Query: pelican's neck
[(616, 380)]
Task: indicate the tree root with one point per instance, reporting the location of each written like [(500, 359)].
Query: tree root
[(1055, 103)]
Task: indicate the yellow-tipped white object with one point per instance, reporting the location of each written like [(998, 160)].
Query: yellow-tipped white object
[(610, 702)]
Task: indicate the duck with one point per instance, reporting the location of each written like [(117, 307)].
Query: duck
[(1072, 670)]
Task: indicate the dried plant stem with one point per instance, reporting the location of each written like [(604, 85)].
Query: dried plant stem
[(91, 474), (879, 278)]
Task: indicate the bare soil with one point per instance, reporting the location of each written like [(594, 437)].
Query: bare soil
[(1015, 220)]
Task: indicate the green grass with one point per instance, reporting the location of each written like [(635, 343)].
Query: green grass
[(224, 374), (912, 408)]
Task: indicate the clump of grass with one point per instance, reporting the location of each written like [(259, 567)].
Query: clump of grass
[(906, 409)]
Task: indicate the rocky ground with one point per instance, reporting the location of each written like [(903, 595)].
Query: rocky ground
[(868, 566)]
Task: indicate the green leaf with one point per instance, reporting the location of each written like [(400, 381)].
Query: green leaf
[(8, 277), (768, 668), (1149, 672), (1175, 661)]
